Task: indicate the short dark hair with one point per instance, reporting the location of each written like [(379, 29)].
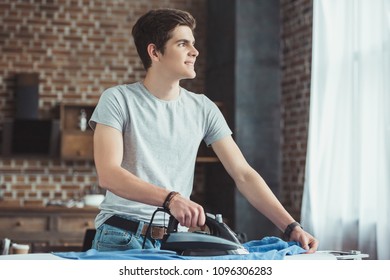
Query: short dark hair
[(155, 27)]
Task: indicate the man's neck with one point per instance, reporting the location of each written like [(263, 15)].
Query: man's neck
[(162, 88)]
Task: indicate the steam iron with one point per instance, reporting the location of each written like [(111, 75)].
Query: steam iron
[(218, 240)]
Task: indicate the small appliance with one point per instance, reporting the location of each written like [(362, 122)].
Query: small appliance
[(215, 240)]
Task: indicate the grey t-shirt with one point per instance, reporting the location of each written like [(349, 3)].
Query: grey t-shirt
[(161, 141)]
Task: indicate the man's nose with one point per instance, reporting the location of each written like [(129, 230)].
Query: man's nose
[(194, 52)]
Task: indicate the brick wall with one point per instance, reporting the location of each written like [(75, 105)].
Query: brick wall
[(296, 67), (78, 48), (81, 47)]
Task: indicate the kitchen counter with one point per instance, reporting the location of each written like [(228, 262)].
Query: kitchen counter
[(46, 227), (47, 209)]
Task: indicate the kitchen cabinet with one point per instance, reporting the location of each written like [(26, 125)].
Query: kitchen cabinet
[(45, 229), (76, 135)]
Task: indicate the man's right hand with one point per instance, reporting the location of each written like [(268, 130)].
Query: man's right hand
[(187, 212)]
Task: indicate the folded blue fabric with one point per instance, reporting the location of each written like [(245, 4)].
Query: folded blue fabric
[(268, 248)]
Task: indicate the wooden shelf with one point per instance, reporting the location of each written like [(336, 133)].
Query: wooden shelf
[(70, 112), (75, 144)]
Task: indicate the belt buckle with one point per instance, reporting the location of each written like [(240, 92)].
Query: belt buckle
[(157, 232)]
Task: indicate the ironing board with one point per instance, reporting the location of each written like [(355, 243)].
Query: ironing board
[(268, 248), (55, 256), (319, 255)]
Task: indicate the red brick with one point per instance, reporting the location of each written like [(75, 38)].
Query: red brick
[(296, 56), (68, 43)]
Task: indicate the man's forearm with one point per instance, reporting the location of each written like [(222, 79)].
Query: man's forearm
[(125, 184), (257, 192)]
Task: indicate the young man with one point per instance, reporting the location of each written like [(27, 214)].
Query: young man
[(146, 138)]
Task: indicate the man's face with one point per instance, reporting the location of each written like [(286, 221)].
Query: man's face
[(179, 56)]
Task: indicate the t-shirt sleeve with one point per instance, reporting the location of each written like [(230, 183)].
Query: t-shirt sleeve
[(109, 110), (216, 125)]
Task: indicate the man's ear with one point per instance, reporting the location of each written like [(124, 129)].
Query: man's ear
[(154, 54)]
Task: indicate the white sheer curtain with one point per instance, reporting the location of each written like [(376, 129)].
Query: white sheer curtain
[(346, 199)]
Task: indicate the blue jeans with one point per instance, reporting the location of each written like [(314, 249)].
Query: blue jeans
[(109, 238)]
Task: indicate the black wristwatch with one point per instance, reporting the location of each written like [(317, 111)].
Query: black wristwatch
[(289, 229)]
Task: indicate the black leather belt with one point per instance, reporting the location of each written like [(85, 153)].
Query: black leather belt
[(129, 225)]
